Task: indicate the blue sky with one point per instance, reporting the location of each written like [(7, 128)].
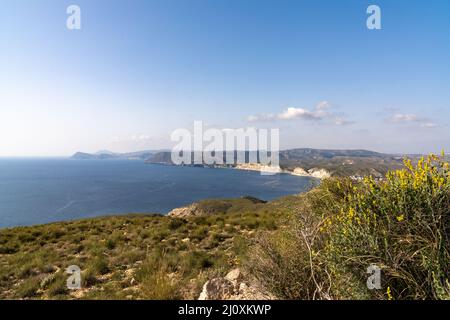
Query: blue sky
[(137, 70)]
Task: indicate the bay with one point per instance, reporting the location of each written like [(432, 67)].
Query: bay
[(37, 191)]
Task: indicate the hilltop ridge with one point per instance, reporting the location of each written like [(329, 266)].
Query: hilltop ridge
[(105, 154), (356, 163), (319, 163)]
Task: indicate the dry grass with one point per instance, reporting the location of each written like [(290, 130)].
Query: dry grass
[(129, 257)]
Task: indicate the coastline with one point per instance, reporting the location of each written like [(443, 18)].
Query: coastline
[(317, 173), (298, 171)]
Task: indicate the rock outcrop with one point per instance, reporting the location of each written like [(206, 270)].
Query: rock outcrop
[(189, 211), (211, 207), (300, 172), (315, 173), (232, 287), (319, 173), (259, 167)]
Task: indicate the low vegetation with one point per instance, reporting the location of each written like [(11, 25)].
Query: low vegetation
[(132, 256)]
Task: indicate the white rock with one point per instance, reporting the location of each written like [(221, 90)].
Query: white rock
[(232, 287), (300, 172), (234, 275), (217, 289), (258, 167), (319, 173)]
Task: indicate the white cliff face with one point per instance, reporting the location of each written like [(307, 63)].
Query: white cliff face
[(319, 173), (315, 173), (300, 172), (258, 167)]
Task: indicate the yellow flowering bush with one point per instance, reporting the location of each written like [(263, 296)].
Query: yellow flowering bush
[(400, 224)]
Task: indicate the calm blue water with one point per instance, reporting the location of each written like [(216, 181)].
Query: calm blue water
[(35, 191)]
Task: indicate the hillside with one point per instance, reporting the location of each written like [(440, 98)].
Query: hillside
[(341, 162), (356, 163), (132, 256)]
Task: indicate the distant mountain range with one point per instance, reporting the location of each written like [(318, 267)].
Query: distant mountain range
[(336, 162), (355, 163), (105, 154)]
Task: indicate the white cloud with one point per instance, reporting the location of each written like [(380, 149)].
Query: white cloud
[(323, 105), (318, 113), (140, 137), (297, 113), (404, 118), (428, 125), (261, 117), (340, 121), (401, 118)]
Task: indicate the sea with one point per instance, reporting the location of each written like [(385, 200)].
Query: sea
[(42, 190)]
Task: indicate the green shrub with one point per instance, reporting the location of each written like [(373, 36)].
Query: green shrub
[(159, 286), (199, 233), (111, 243), (26, 237), (197, 260), (28, 288), (175, 223), (58, 285), (9, 248), (99, 266), (88, 278), (155, 277)]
